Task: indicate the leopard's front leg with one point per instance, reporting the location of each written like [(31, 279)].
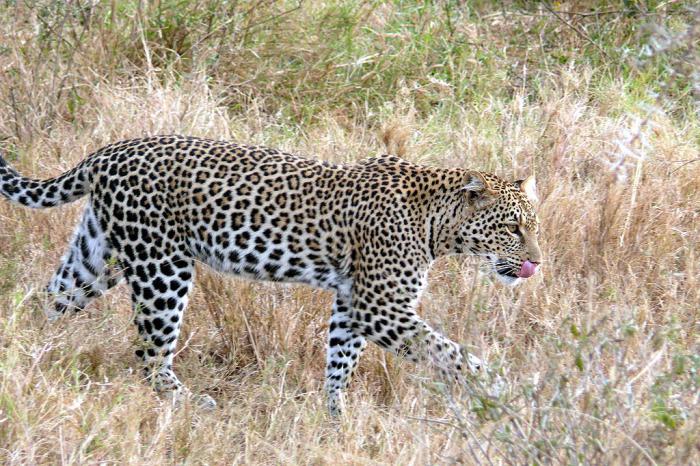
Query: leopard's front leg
[(345, 345), (387, 316), (407, 335), (382, 308)]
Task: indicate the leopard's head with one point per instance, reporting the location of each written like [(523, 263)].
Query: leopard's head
[(502, 225)]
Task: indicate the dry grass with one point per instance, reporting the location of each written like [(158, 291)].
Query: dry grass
[(600, 351)]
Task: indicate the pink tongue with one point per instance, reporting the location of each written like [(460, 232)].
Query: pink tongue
[(527, 270)]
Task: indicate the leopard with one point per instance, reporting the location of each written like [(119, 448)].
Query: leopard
[(369, 231)]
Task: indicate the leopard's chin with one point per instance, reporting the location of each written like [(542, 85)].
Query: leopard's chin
[(507, 279)]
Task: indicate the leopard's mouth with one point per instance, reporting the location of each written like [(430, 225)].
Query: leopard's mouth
[(510, 274), (505, 269), (506, 273)]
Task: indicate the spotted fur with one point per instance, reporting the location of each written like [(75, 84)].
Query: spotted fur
[(368, 231)]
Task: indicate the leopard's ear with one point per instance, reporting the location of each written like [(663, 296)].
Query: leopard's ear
[(529, 187), (478, 191)]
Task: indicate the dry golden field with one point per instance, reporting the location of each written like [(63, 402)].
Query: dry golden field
[(600, 350)]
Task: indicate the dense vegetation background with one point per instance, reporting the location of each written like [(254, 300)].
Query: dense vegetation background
[(601, 352)]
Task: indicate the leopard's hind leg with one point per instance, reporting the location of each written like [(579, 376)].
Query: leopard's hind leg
[(86, 271), (159, 289)]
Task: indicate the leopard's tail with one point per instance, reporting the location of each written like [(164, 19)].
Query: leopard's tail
[(39, 194)]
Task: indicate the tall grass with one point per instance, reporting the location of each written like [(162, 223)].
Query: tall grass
[(599, 352)]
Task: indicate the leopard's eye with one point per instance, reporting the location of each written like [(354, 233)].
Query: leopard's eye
[(513, 228)]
